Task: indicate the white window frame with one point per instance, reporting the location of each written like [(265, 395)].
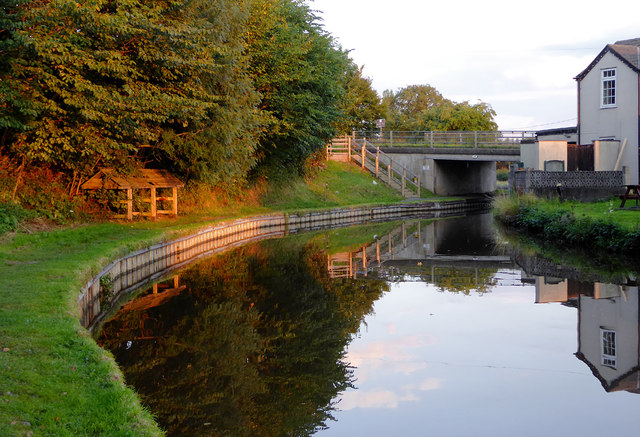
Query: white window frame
[(608, 347), (608, 88)]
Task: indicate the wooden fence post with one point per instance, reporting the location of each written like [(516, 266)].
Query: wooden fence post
[(377, 160), (129, 204), (419, 177), (349, 150), (364, 143), (154, 206), (175, 201)]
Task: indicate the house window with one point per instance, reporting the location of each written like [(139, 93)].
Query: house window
[(608, 88), (608, 343)]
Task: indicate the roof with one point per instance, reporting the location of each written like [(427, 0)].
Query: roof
[(145, 178), (628, 51)]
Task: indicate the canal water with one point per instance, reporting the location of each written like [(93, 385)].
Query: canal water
[(424, 327)]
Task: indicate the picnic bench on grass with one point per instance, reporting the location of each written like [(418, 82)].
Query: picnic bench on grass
[(632, 193)]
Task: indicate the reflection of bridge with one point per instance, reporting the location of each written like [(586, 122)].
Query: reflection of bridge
[(418, 248), (451, 164)]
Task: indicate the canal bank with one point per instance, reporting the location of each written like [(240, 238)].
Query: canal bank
[(599, 227), (56, 380)]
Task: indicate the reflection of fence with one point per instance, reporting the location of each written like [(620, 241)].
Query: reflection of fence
[(369, 157), (372, 255), (433, 139)]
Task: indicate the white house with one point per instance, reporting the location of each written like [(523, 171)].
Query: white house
[(609, 105)]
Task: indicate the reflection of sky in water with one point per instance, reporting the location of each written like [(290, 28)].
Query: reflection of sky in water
[(445, 364)]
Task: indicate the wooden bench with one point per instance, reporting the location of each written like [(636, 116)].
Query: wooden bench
[(632, 193)]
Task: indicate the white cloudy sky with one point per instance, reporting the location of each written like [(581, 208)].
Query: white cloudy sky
[(520, 57)]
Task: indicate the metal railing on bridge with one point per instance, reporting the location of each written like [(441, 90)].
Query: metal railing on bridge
[(458, 139)]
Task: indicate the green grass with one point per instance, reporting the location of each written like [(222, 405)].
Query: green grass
[(604, 210), (600, 227), (54, 379), (340, 184)]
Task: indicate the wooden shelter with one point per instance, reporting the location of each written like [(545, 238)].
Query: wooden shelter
[(145, 179)]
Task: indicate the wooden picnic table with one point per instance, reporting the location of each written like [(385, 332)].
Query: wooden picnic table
[(632, 193)]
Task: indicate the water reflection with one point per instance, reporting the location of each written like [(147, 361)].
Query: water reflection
[(271, 339), (608, 327), (251, 343)]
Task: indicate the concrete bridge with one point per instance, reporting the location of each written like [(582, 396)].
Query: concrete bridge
[(445, 163), (453, 171)]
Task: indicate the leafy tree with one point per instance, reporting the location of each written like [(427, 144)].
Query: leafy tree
[(451, 116), (361, 105), (422, 107), (96, 83), (299, 72)]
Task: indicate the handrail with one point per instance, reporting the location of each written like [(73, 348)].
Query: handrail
[(400, 175), (434, 139)]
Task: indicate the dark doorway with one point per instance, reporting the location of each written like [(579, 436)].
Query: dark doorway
[(580, 157)]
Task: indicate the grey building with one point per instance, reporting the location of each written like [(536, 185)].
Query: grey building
[(609, 103)]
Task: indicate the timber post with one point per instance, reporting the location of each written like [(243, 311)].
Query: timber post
[(129, 204), (175, 201), (349, 150), (154, 206), (377, 160), (364, 145)]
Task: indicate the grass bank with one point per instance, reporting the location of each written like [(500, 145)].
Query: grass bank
[(54, 379), (599, 227)]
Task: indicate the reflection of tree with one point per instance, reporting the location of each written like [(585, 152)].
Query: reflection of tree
[(254, 346), (463, 280)]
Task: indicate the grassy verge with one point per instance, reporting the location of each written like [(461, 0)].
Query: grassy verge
[(54, 379), (599, 227)]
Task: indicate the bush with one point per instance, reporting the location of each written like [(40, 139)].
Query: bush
[(502, 174), (11, 215)]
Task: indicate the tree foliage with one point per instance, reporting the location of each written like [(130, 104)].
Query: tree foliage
[(299, 73), (361, 106), (422, 107), (205, 89)]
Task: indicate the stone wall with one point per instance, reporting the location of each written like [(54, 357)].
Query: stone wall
[(578, 185), (133, 271)]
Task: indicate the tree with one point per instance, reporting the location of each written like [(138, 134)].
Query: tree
[(361, 106), (124, 82), (422, 107), (300, 74)]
